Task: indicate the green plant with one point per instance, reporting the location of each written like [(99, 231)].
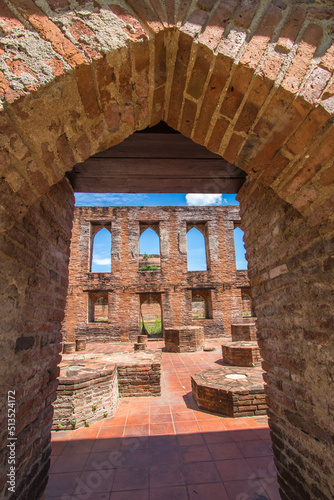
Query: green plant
[(94, 407), (73, 423), (146, 256), (86, 424), (58, 427), (105, 414), (148, 268)]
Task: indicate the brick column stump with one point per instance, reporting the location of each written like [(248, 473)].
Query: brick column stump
[(184, 339)]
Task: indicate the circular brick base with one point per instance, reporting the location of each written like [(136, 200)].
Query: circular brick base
[(215, 391), (241, 353)]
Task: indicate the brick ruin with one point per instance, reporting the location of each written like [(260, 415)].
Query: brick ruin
[(250, 81), (176, 291)]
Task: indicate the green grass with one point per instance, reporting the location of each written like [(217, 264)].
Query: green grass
[(152, 329)]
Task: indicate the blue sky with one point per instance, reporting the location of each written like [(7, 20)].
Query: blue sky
[(149, 242)]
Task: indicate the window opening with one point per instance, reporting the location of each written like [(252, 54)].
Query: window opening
[(149, 248), (101, 251), (150, 315), (196, 250)]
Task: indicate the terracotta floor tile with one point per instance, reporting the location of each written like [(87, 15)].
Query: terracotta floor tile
[(138, 419), (245, 489), (183, 416), (121, 420), (165, 428), (234, 469), (106, 444), (254, 448), (190, 439), (201, 415), (86, 433), (84, 446), (95, 495), (160, 418), (131, 479), (164, 456), (207, 491), (217, 437), (163, 442), (130, 495), (156, 410), (169, 493), (103, 460), (57, 447), (134, 458), (262, 467), (271, 487), (186, 427), (245, 435), (94, 482), (61, 484), (111, 431), (136, 430), (201, 472), (72, 462), (166, 475), (210, 425), (195, 453), (237, 423), (224, 451)]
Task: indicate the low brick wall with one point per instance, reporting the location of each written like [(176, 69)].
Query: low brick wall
[(90, 384), (84, 396), (141, 377), (241, 353), (243, 331), (184, 339), (244, 397)]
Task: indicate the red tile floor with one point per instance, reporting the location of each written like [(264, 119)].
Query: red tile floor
[(165, 448)]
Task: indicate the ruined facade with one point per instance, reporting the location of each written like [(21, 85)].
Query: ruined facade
[(106, 306), (249, 80)]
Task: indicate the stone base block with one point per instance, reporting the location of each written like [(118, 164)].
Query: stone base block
[(239, 396), (243, 332), (241, 353), (184, 339), (139, 346)]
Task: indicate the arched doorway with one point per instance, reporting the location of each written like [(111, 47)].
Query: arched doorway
[(251, 85)]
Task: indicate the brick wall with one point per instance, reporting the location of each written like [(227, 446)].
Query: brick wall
[(251, 83), (291, 269), (33, 273), (172, 284)]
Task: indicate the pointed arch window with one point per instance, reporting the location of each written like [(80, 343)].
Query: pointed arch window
[(101, 249), (197, 248), (149, 247)]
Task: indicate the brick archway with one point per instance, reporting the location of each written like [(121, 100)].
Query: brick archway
[(251, 81)]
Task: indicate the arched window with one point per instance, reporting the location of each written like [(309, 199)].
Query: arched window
[(149, 249), (98, 307), (101, 252), (196, 251), (201, 304), (240, 251), (150, 315)]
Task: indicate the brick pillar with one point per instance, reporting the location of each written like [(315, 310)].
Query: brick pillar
[(291, 272), (33, 273)]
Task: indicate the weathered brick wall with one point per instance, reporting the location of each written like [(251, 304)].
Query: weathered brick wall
[(33, 272), (291, 269), (172, 281), (85, 398), (251, 81)]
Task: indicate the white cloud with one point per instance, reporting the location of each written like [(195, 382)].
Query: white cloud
[(201, 199), (102, 262), (109, 199)]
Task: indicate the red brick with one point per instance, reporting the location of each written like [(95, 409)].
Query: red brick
[(216, 84), (246, 12), (231, 152), (179, 78), (217, 24), (50, 32), (158, 105), (236, 91), (290, 29), (87, 91), (258, 44), (298, 68), (128, 19), (188, 117), (309, 129), (217, 134), (257, 96), (144, 12), (8, 20), (170, 9), (112, 116), (199, 72), (160, 71), (273, 169)]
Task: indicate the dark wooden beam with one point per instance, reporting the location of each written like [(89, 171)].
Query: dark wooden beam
[(156, 163)]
